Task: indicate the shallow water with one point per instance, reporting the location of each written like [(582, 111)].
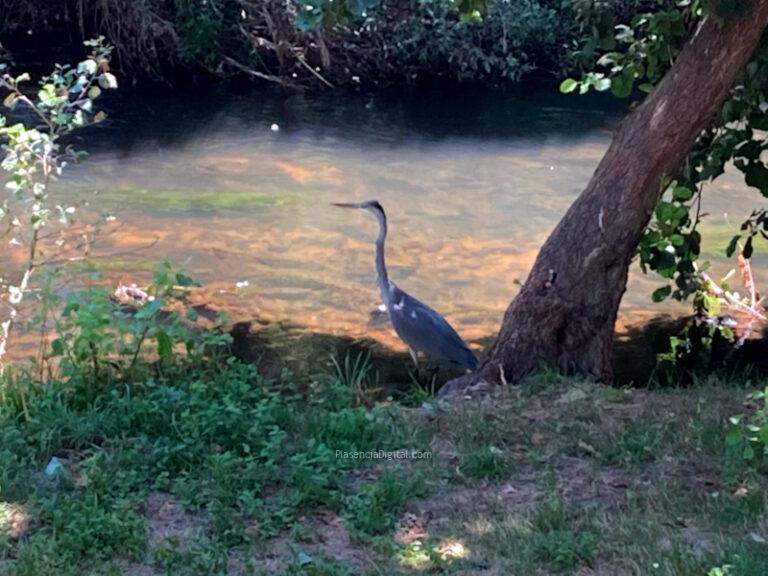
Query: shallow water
[(472, 183)]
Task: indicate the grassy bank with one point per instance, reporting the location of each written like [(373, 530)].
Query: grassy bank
[(213, 470)]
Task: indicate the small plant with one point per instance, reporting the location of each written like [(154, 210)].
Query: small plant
[(355, 374), (558, 537), (564, 549), (636, 444), (372, 510), (35, 156), (749, 434), (721, 315), (202, 558), (100, 333), (489, 462)]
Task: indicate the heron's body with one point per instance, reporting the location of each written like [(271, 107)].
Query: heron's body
[(419, 326)]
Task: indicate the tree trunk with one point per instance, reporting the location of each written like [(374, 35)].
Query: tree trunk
[(565, 313)]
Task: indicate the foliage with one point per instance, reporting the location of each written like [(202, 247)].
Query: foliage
[(638, 52), (326, 13), (34, 157), (749, 434), (98, 331), (638, 55), (510, 40), (723, 321), (199, 25), (308, 42)]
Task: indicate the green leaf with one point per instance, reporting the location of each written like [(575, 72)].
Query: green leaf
[(472, 10), (149, 309), (184, 280), (734, 436), (759, 121), (624, 33), (661, 294), (732, 245), (108, 81), (88, 66), (747, 252), (621, 85), (164, 345), (756, 175), (57, 347), (94, 92), (682, 193), (609, 59), (568, 85), (665, 211), (602, 84)]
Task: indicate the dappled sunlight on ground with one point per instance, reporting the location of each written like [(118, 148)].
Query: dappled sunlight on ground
[(14, 520)]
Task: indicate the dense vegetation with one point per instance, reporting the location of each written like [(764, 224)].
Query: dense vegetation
[(311, 43)]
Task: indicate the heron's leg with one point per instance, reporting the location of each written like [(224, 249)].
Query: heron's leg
[(415, 358)]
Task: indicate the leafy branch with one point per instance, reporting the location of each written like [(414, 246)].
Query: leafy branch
[(34, 156)]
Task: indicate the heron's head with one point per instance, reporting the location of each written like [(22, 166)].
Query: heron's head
[(371, 206)]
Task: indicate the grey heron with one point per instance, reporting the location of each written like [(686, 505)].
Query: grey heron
[(419, 326)]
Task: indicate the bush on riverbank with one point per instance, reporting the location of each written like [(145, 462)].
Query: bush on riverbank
[(370, 43)]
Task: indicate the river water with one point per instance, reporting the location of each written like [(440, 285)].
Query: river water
[(472, 182)]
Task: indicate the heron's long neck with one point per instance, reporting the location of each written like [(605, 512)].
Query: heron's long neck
[(382, 278)]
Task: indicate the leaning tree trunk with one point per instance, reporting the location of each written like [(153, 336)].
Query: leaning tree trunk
[(565, 313)]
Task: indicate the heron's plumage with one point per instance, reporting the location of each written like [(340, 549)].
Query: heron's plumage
[(425, 330)]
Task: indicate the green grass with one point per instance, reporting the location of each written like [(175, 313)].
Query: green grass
[(249, 456), (550, 536), (486, 462), (212, 469)]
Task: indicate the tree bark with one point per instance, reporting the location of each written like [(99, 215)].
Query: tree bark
[(565, 313)]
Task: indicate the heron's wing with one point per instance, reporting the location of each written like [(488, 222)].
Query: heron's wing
[(425, 330)]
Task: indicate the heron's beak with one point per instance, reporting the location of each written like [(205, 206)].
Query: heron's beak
[(345, 205)]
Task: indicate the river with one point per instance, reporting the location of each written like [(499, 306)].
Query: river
[(237, 189)]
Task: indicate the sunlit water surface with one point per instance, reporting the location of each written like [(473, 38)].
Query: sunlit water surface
[(472, 183)]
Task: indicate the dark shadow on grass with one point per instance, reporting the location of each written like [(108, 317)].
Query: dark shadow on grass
[(279, 346)]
